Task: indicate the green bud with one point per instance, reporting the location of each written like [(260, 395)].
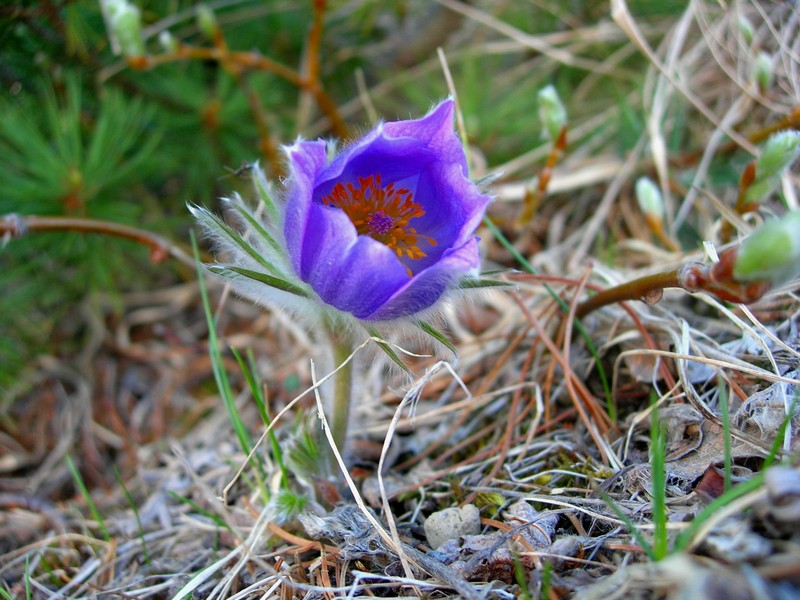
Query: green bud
[(167, 41), (113, 8), (124, 22), (771, 252), (649, 197), (206, 21), (779, 152), (552, 113), (746, 29), (762, 71)]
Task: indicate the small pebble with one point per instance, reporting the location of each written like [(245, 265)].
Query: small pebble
[(452, 523)]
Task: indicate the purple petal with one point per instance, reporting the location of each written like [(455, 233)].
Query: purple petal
[(306, 160), (435, 131), (425, 289), (399, 149), (328, 237), (393, 159), (352, 273), (453, 206), (370, 274)]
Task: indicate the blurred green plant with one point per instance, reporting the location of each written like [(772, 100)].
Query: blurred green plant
[(59, 159), (84, 136), (64, 154)]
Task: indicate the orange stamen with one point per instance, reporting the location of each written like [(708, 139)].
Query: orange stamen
[(383, 213)]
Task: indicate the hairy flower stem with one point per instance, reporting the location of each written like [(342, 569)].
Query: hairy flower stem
[(339, 418)]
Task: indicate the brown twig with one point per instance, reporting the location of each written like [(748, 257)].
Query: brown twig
[(790, 121), (14, 226), (638, 289), (228, 59), (534, 197), (314, 41), (311, 82), (717, 280), (742, 206)]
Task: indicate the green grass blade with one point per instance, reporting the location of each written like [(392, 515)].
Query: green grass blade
[(631, 526), (135, 513), (258, 397), (217, 363), (778, 443), (269, 280), (76, 476), (658, 443), (726, 433), (28, 594), (547, 578), (685, 538), (388, 350), (437, 335), (521, 578), (200, 578), (470, 283), (219, 521)]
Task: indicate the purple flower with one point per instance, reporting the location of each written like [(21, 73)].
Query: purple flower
[(380, 233), (387, 227)]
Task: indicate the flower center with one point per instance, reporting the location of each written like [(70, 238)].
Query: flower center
[(380, 223), (383, 213)]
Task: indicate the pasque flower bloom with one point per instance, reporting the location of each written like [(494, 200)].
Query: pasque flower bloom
[(379, 233), (375, 237), (388, 225)]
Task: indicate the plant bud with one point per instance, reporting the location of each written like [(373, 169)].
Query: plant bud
[(125, 27), (167, 41), (552, 113), (762, 71), (746, 29), (649, 197), (206, 21), (779, 152), (771, 252)]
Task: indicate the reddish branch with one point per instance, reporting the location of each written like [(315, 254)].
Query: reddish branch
[(15, 226), (534, 197), (717, 280)]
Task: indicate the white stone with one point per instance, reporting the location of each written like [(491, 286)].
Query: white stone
[(452, 523)]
